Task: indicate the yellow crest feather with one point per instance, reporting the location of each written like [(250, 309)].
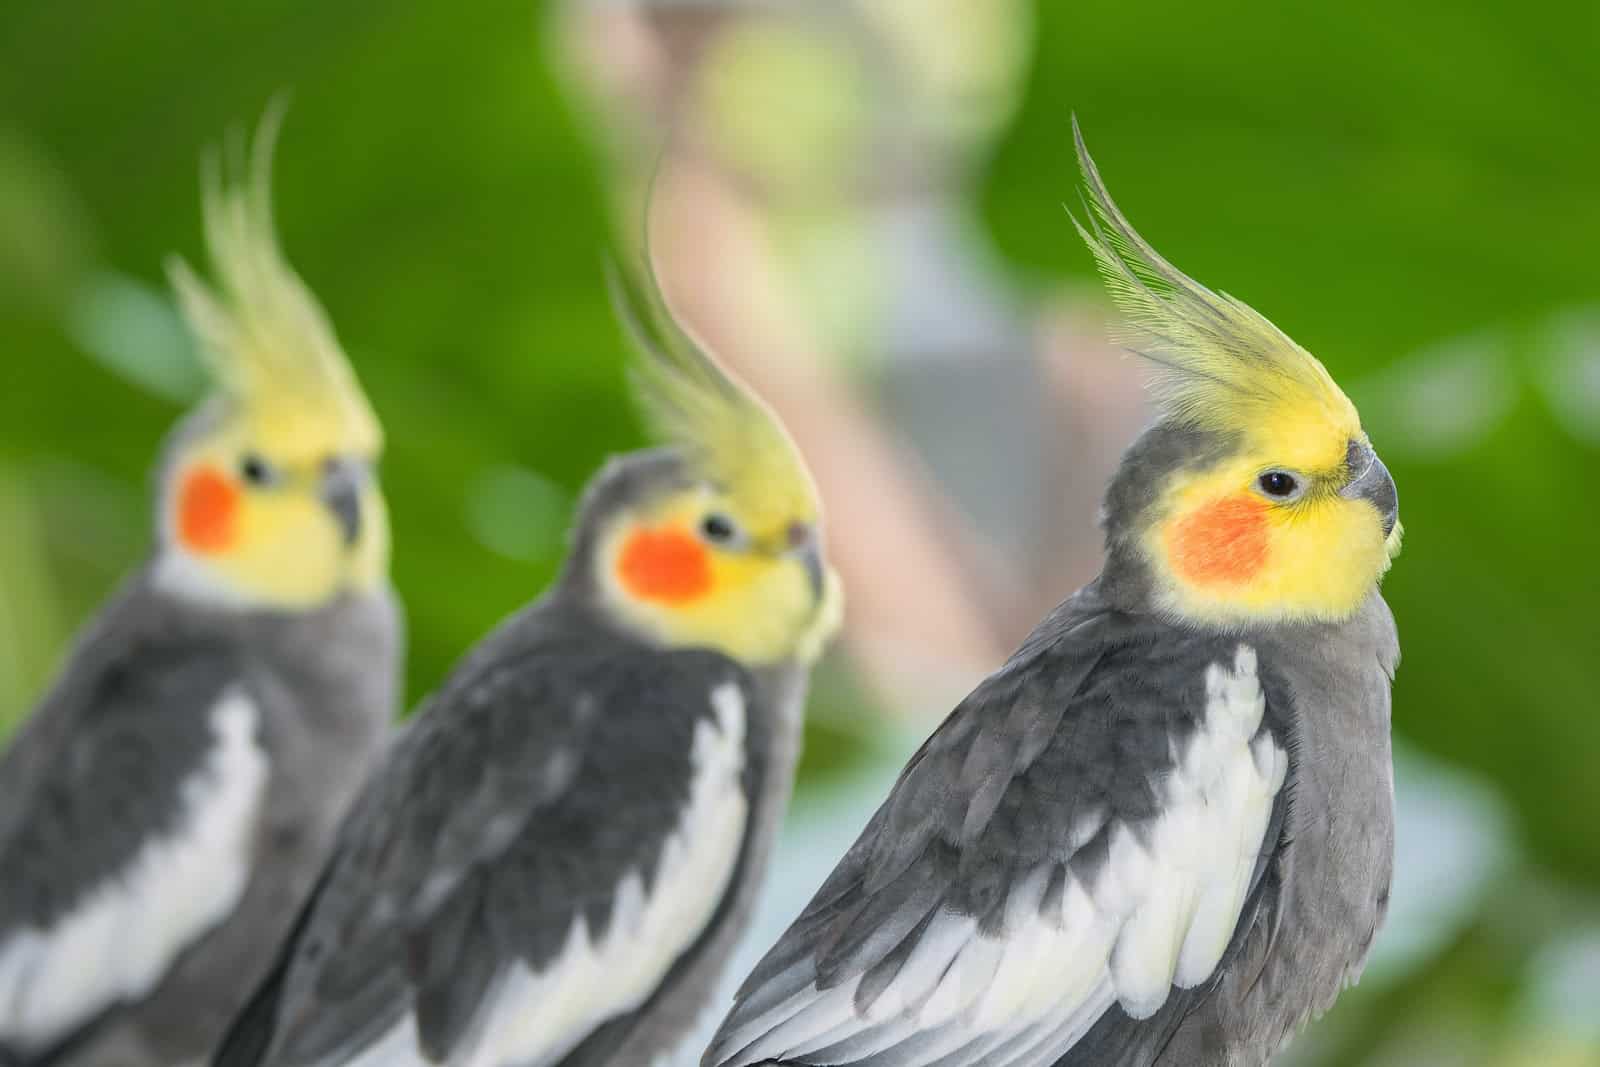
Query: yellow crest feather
[(264, 337), (1219, 364), (729, 435)]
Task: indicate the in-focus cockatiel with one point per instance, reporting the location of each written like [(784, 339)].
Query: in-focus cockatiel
[(167, 807), (1162, 832), (558, 856)]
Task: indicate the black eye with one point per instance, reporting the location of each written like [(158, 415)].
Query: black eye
[(1278, 483), (255, 470), (718, 529)]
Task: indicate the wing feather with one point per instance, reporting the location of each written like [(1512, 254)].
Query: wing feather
[(137, 841), (1081, 836), (481, 906)]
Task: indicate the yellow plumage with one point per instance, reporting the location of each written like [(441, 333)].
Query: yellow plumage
[(729, 434), (266, 340), (768, 596), (1219, 364), (1222, 545)]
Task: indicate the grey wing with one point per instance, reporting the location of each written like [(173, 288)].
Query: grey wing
[(506, 877), (1080, 840), (136, 807)]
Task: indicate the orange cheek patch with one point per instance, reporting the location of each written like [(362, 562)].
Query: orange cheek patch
[(666, 564), (1220, 543), (208, 506)]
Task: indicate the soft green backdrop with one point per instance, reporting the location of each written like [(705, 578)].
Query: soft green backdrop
[(1385, 178), (1410, 190)]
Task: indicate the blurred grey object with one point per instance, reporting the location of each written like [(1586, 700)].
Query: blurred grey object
[(826, 157)]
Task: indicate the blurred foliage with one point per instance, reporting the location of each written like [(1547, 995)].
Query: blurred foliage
[(29, 630), (1408, 190)]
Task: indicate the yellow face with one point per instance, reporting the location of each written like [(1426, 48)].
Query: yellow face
[(258, 517), (1301, 532), (696, 570)]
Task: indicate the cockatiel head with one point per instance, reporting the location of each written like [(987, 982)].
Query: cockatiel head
[(1257, 496), (268, 496), (715, 540)]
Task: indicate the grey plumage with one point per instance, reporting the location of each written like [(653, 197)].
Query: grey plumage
[(1064, 760), (555, 764), (1162, 833), (170, 802), (681, 1000), (98, 771), (1328, 888)]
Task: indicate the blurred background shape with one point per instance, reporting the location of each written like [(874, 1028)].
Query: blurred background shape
[(860, 205)]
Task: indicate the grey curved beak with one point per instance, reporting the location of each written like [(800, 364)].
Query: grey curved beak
[(1370, 481), (804, 547), (342, 480)]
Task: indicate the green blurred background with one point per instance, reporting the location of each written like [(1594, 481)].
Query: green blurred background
[(1409, 190)]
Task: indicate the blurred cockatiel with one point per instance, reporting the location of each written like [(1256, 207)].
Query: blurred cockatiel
[(1162, 832), (557, 858), (167, 807)]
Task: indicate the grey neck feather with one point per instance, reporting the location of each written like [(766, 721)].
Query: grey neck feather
[(625, 483), (197, 424), (1149, 464)]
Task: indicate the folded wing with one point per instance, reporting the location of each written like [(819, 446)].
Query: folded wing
[(134, 839), (546, 842), (1081, 838)]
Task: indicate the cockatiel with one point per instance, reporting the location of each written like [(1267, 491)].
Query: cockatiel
[(1162, 833), (168, 805), (557, 858)]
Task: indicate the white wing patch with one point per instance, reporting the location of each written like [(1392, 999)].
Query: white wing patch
[(537, 1018), (119, 942), (1160, 913)]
